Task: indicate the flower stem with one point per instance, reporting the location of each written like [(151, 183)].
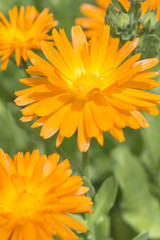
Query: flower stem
[(85, 166), (24, 66), (90, 235)]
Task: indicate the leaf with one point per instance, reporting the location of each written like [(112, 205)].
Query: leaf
[(150, 46), (10, 130), (25, 138), (140, 208), (87, 183), (113, 29), (151, 139), (142, 236), (112, 12), (157, 29), (64, 154), (119, 6), (102, 228), (105, 198)]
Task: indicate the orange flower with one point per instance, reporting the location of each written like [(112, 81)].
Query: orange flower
[(36, 194), (95, 16), (89, 88), (25, 31)]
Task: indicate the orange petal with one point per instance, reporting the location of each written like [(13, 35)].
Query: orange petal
[(82, 140), (70, 222), (70, 120)]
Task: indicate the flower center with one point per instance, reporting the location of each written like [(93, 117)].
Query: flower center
[(86, 83), (16, 36), (25, 204)]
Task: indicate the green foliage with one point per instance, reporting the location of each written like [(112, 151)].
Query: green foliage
[(140, 207), (88, 184), (142, 236), (104, 201), (105, 198), (102, 228)]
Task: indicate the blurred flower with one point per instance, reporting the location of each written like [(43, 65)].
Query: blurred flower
[(95, 16), (36, 195), (25, 30), (88, 87)]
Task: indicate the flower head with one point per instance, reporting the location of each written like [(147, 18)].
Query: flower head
[(37, 193), (88, 87), (26, 29), (95, 15)]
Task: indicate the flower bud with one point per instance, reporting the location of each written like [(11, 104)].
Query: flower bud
[(122, 20), (149, 19)]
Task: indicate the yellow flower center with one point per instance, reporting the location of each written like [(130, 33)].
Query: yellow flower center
[(86, 83), (16, 36), (25, 204)]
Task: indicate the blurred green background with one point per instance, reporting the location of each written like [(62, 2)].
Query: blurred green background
[(135, 163)]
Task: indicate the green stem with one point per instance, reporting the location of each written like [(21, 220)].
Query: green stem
[(91, 232), (85, 166), (74, 165), (24, 66)]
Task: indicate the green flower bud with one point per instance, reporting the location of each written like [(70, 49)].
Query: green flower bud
[(122, 21), (149, 20)]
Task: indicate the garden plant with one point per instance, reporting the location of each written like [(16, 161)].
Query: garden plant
[(79, 120)]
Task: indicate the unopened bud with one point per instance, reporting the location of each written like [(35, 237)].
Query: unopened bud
[(149, 19), (122, 20)]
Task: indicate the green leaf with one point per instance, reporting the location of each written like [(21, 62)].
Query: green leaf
[(10, 130), (150, 46), (87, 183), (157, 29), (68, 155), (111, 12), (119, 6), (151, 139), (135, 11), (105, 198), (142, 236), (140, 207), (102, 228), (25, 138), (112, 26)]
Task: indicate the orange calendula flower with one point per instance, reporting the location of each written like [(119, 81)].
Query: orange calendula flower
[(37, 193), (88, 87), (26, 29), (95, 15)]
